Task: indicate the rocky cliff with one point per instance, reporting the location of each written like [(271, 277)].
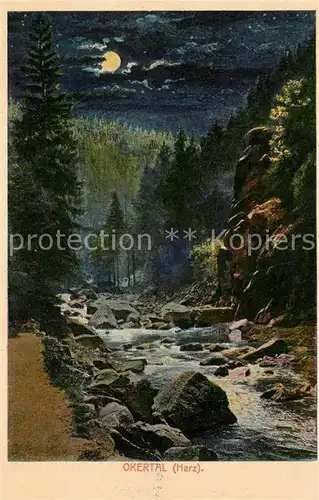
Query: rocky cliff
[(264, 264)]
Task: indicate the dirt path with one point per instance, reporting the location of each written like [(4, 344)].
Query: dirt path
[(39, 417)]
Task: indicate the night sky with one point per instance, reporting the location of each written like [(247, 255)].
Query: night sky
[(178, 68)]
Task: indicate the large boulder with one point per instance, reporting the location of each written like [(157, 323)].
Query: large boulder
[(160, 436), (121, 309), (214, 360), (103, 318), (193, 403), (114, 416), (196, 453), (178, 314), (208, 315), (274, 346)]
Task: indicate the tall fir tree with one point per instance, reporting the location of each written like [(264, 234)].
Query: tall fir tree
[(44, 193)]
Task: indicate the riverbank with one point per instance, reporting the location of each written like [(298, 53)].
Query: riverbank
[(40, 419)]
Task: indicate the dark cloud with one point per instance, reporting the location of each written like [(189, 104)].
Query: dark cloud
[(190, 65)]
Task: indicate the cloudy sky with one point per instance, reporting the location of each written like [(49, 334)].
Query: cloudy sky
[(177, 68)]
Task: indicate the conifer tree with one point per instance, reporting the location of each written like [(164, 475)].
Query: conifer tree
[(44, 194)]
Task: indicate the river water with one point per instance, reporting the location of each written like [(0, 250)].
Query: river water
[(265, 430)]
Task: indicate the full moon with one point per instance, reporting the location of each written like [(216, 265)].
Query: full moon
[(111, 63)]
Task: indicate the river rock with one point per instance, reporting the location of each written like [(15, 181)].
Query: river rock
[(160, 436), (267, 363), (88, 293), (139, 397), (194, 453), (115, 416), (231, 365), (124, 444), (244, 325), (167, 340), (79, 326), (191, 347), (178, 314), (214, 360), (193, 403), (93, 341), (274, 346), (128, 325), (280, 393), (208, 315), (103, 318), (77, 304), (158, 325), (105, 363), (134, 365), (110, 381), (238, 352), (91, 308), (216, 348), (122, 310), (221, 371), (106, 374)]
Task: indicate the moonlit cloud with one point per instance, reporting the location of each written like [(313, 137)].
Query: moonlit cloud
[(162, 62), (129, 67), (92, 46)]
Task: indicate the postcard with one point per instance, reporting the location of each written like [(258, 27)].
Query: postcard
[(162, 285)]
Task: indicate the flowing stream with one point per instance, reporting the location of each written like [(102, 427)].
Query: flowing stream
[(265, 430)]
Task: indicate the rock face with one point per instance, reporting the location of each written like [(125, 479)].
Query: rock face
[(275, 346), (190, 453), (103, 318), (265, 280), (208, 315), (179, 315), (161, 436), (192, 403)]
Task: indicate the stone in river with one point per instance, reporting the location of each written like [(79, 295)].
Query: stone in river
[(192, 403), (214, 360), (274, 346), (191, 347)]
